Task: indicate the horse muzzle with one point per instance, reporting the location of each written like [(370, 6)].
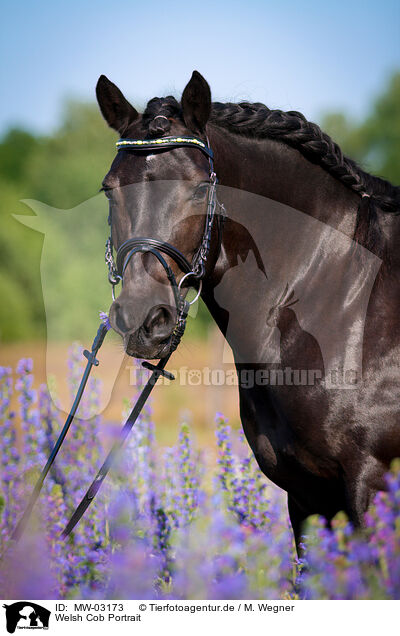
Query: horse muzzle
[(152, 339)]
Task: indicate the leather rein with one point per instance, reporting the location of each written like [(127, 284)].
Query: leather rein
[(197, 268)]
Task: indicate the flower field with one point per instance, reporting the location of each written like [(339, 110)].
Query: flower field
[(169, 522)]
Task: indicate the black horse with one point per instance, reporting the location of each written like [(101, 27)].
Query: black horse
[(327, 447)]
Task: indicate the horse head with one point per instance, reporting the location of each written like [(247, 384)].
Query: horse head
[(159, 193)]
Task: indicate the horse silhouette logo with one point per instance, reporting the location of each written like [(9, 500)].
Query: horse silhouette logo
[(69, 311), (26, 615)]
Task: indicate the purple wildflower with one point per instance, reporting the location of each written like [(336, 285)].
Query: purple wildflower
[(105, 319)]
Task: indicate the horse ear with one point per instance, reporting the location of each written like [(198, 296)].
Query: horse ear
[(116, 110), (196, 103)]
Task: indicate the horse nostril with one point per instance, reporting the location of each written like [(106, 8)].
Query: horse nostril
[(120, 317), (159, 322)]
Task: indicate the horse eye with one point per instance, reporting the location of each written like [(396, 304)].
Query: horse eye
[(107, 191), (201, 192)]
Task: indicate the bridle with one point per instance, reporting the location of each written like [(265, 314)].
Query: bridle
[(197, 268)]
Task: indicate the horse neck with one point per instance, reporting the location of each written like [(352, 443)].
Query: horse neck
[(281, 174), (272, 169)]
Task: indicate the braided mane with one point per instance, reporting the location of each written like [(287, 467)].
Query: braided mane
[(291, 128)]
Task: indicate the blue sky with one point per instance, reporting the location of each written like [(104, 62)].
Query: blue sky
[(310, 56)]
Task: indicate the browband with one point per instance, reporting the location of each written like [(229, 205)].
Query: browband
[(164, 142)]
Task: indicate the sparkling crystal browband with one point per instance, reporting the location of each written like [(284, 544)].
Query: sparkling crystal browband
[(150, 144)]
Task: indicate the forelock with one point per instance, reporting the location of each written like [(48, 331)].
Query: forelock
[(157, 115)]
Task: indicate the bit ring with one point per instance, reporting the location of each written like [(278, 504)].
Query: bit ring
[(196, 298)]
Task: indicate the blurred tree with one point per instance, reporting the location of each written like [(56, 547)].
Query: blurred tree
[(375, 142), (62, 170), (16, 151), (380, 134)]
